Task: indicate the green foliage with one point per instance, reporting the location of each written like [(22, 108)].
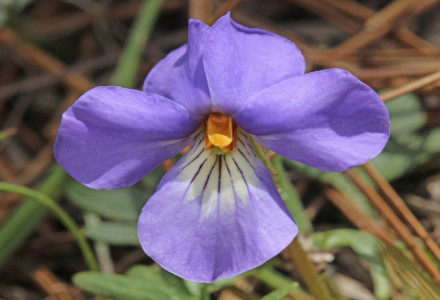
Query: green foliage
[(8, 8), (121, 207), (415, 283), (291, 197), (407, 147), (124, 205), (140, 283), (406, 115), (26, 217), (404, 153), (282, 292), (366, 246), (114, 233)]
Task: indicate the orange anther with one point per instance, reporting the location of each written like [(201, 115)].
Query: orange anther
[(221, 132)]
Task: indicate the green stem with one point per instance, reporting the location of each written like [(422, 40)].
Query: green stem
[(263, 157), (102, 249), (125, 72), (26, 217), (314, 283), (277, 280), (291, 197), (60, 213), (305, 267)]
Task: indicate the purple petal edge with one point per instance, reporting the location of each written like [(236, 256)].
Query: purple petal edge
[(111, 137)]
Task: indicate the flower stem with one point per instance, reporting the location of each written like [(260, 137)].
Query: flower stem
[(314, 283), (60, 213), (264, 158), (26, 217), (291, 197)]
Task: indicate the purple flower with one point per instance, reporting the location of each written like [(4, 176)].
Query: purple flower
[(217, 212)]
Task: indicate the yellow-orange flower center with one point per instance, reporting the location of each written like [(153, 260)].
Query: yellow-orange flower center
[(221, 132)]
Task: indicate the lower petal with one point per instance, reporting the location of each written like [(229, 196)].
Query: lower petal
[(215, 216)]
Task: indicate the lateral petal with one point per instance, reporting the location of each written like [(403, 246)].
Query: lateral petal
[(328, 119), (215, 216), (111, 137)]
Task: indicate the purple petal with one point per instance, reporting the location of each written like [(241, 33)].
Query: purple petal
[(111, 137), (241, 61), (215, 216), (180, 76), (328, 119)]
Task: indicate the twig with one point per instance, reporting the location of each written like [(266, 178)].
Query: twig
[(240, 293), (201, 9), (41, 81), (254, 20), (226, 6), (36, 166), (396, 223), (64, 24), (358, 217), (395, 71), (51, 285), (331, 14), (400, 206), (314, 283), (43, 60), (412, 40), (363, 13), (410, 87), (352, 8), (380, 24)]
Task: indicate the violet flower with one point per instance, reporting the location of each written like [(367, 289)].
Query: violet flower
[(217, 212)]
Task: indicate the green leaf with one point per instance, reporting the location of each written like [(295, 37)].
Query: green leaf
[(123, 287), (195, 288), (417, 284), (114, 233), (406, 148), (275, 279), (159, 277), (404, 153), (153, 178), (125, 204), (406, 115), (280, 293), (366, 246)]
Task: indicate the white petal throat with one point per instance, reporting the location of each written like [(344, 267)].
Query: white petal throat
[(219, 181)]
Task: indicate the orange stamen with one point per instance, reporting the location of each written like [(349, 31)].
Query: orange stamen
[(220, 131)]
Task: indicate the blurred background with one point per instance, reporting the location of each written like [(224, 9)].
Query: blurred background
[(369, 233)]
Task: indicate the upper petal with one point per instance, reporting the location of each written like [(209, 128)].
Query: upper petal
[(241, 61), (180, 76), (215, 216), (328, 119), (111, 137)]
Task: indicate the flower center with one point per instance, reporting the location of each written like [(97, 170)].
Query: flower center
[(220, 132)]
